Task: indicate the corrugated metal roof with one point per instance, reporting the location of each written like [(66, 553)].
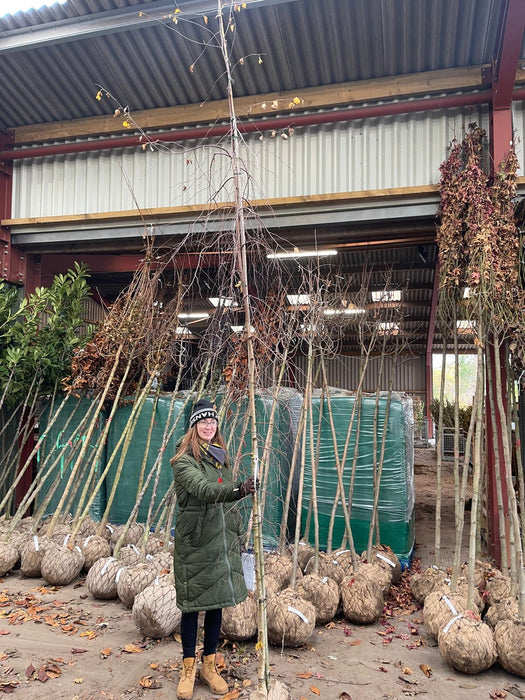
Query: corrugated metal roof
[(302, 43)]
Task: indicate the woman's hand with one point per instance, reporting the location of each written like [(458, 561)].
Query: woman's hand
[(247, 487)]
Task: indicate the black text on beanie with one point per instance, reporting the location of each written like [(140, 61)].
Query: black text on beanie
[(202, 409)]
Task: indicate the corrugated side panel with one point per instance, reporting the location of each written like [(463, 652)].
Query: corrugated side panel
[(518, 122), (343, 372), (371, 154)]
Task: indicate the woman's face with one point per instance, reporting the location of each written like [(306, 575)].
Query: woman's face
[(206, 429)]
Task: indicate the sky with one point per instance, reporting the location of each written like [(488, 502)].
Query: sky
[(9, 7)]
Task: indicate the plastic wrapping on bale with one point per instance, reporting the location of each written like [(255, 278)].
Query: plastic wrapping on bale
[(323, 593), (467, 645), (509, 636), (304, 553), (328, 566), (426, 581), (291, 619), (93, 548), (133, 580), (31, 555), (239, 622), (506, 610), (362, 598), (155, 611), (62, 564), (378, 574), (280, 567), (497, 588), (9, 556), (101, 580), (384, 556), (132, 536), (130, 555), (440, 608)]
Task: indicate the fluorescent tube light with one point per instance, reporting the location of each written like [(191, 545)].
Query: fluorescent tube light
[(194, 314), (386, 295), (298, 299), (222, 301), (301, 254)]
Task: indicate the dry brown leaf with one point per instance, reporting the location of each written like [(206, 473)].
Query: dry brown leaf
[(53, 671), (154, 665), (315, 690), (104, 653), (246, 683), (5, 632), (149, 682), (426, 670), (407, 670), (132, 649), (232, 695), (88, 634), (306, 674), (355, 643)]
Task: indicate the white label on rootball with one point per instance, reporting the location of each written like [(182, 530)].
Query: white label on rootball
[(87, 540), (299, 613), (110, 528), (104, 568), (65, 540), (388, 561), (452, 608), (134, 548), (117, 575), (35, 541), (451, 622), (344, 551), (324, 580)]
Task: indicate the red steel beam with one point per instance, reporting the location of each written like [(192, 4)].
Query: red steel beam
[(507, 53), (430, 342)]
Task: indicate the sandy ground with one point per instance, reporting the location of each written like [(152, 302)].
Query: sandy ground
[(62, 644)]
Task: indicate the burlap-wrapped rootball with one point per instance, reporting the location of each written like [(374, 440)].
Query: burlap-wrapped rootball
[(362, 598), (280, 567), (378, 574), (305, 552), (467, 645), (130, 555), (497, 588), (327, 566), (344, 558), (107, 531), (271, 586), (506, 610), (323, 593), (132, 536), (93, 548), (154, 545), (462, 588), (162, 562), (61, 564), (439, 609), (155, 611), (509, 636), (239, 622), (87, 527), (384, 556), (101, 580), (61, 534), (482, 570), (31, 555), (426, 581), (26, 524), (9, 556), (291, 619), (133, 580)]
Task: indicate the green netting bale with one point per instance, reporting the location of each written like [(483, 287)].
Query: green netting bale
[(133, 580), (62, 442), (510, 645), (94, 548), (467, 645), (323, 593), (155, 612), (291, 619), (101, 580), (362, 599), (239, 622), (144, 449), (61, 564)]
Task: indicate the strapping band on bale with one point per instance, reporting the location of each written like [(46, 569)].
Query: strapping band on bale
[(104, 568), (452, 608), (343, 551), (451, 622), (87, 540), (299, 613), (388, 561), (117, 576)]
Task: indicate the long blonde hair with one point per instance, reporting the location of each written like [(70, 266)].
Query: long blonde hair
[(191, 444)]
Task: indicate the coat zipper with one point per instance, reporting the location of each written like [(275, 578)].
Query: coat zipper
[(225, 541)]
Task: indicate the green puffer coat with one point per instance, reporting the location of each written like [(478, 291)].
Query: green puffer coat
[(208, 529)]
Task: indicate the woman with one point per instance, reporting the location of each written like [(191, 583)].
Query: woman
[(207, 562)]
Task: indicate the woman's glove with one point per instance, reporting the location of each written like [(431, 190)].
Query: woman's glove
[(246, 487)]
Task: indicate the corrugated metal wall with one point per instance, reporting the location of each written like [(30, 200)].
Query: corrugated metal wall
[(372, 154), (343, 373)]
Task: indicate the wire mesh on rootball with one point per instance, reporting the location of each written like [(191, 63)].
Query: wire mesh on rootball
[(291, 619), (280, 567), (155, 611), (509, 636), (304, 553), (384, 556), (132, 536), (497, 588), (31, 555), (239, 623), (482, 571), (62, 564), (133, 580), (93, 548), (101, 580), (505, 610), (378, 574), (129, 555), (424, 582), (323, 593), (362, 598), (9, 556), (328, 566), (467, 645), (439, 609)]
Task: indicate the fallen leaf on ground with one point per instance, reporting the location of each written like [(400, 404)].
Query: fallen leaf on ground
[(78, 651), (88, 634), (149, 682), (153, 665), (246, 683), (315, 690), (132, 649), (306, 674), (42, 675), (53, 671), (426, 670), (5, 631), (104, 653), (498, 694), (410, 681), (355, 643), (232, 695), (8, 686), (408, 671), (30, 670)]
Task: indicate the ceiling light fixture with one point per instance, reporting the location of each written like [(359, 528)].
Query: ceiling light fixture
[(386, 295), (296, 253), (194, 314), (344, 312), (298, 299), (222, 301)]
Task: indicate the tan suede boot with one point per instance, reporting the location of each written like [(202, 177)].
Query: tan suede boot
[(187, 678), (209, 674)]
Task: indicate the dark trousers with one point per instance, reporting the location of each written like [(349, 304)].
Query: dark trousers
[(188, 632)]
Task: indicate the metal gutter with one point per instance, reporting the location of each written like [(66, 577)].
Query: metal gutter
[(260, 125)]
